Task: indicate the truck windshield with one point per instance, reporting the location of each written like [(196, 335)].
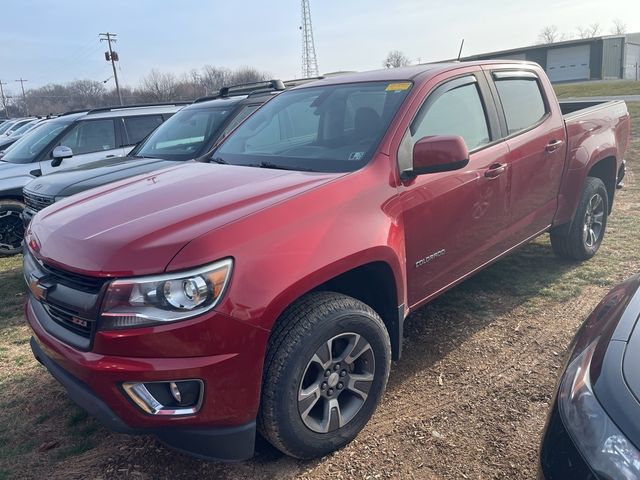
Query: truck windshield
[(331, 128), (185, 135), (31, 145)]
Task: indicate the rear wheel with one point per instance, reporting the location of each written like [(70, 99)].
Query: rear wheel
[(584, 238), (11, 228), (327, 366)]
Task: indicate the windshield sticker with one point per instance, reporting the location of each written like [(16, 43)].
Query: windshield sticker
[(398, 87), (356, 156)]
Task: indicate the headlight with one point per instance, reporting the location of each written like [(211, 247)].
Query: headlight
[(158, 299), (604, 446)]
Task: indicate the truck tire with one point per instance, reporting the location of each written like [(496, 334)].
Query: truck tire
[(11, 228), (584, 238), (326, 368)]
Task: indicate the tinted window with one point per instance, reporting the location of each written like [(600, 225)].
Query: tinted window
[(185, 135), (244, 113), (333, 128), (90, 136), (456, 112), (32, 144), (522, 102), (139, 127)]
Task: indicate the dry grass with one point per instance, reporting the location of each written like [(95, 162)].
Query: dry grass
[(597, 88), (495, 342)]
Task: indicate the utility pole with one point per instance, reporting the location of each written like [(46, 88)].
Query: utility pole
[(4, 101), (112, 57), (24, 97)]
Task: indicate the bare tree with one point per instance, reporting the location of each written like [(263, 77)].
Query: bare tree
[(214, 78), (159, 86), (247, 75), (86, 93), (155, 87), (619, 27), (396, 59), (590, 31), (550, 34)]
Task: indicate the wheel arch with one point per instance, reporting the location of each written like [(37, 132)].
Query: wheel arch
[(374, 281), (606, 169)]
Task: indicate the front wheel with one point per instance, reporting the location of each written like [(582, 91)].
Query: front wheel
[(326, 368), (584, 238), (11, 228)]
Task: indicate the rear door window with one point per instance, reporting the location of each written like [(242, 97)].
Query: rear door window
[(522, 102), (90, 136), (139, 127)]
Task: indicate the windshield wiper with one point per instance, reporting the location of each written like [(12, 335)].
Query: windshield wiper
[(219, 160), (282, 167)]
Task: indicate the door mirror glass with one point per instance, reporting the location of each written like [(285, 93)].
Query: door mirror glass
[(60, 153), (439, 153)]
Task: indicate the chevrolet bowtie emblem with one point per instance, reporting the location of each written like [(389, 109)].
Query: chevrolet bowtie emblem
[(37, 289)]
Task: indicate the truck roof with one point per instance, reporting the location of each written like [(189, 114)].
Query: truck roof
[(406, 73)]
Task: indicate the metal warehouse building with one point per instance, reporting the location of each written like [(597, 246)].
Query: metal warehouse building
[(601, 58)]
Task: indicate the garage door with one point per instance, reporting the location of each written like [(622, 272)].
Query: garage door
[(569, 63)]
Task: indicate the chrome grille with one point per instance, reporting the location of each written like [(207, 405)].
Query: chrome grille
[(37, 202)]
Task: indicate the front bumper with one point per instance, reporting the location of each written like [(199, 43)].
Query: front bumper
[(221, 443), (223, 428)]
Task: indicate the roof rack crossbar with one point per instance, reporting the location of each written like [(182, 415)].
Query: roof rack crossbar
[(137, 105), (245, 89), (71, 112), (299, 81)]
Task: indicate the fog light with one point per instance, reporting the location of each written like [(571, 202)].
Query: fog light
[(175, 391), (178, 397)]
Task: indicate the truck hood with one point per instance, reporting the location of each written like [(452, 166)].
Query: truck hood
[(136, 226), (83, 177)]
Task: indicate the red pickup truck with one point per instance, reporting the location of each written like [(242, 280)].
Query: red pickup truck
[(264, 287)]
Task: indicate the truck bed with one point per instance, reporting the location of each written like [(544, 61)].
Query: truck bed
[(575, 108)]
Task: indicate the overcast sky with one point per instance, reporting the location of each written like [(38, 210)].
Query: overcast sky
[(46, 41)]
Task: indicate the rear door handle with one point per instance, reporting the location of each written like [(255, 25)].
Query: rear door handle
[(110, 156), (495, 170), (553, 145)]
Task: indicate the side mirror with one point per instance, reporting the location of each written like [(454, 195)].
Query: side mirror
[(440, 153), (60, 153)]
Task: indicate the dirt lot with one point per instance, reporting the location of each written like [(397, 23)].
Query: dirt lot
[(468, 399)]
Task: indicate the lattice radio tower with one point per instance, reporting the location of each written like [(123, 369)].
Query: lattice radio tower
[(309, 61)]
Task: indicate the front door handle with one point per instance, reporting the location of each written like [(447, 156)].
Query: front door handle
[(553, 145), (110, 156), (495, 170)]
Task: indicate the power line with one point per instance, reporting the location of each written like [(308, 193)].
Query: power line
[(113, 57), (309, 61), (24, 97)]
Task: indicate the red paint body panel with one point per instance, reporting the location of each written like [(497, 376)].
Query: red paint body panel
[(289, 232)]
